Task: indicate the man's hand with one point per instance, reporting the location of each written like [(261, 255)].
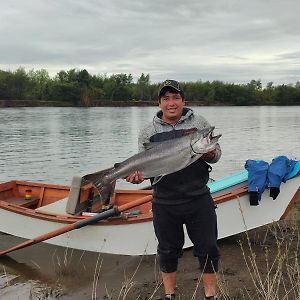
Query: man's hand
[(209, 155), (135, 177)]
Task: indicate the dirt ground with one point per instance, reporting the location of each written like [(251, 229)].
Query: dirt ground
[(245, 260), (260, 264)]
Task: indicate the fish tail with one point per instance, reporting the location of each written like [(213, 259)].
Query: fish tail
[(104, 186)]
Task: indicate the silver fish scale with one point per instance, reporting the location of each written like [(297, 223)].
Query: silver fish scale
[(164, 158)]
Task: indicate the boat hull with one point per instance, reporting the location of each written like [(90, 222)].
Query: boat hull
[(236, 215), (136, 236), (130, 239)]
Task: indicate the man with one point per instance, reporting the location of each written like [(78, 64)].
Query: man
[(182, 197)]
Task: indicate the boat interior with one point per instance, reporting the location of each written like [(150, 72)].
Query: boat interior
[(53, 199)]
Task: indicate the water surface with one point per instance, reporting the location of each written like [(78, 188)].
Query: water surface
[(53, 144)]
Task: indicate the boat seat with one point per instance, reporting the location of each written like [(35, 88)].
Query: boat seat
[(55, 208), (21, 201)]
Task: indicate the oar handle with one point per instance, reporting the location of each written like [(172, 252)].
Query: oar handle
[(101, 216), (134, 203)]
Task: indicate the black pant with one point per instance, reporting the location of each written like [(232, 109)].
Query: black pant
[(201, 223)]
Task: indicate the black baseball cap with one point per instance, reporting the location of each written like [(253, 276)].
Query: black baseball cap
[(172, 84)]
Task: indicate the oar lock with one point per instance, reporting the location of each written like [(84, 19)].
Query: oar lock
[(129, 214)]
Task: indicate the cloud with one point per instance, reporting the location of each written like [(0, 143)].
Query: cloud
[(212, 40)]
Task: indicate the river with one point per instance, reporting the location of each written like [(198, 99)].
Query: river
[(53, 144)]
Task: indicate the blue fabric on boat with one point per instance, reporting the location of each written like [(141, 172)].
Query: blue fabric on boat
[(262, 175), (242, 176), (279, 170), (257, 176)]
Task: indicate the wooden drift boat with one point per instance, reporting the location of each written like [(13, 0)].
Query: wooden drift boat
[(29, 209)]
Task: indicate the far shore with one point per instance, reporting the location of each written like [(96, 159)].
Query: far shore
[(97, 103), (50, 103)]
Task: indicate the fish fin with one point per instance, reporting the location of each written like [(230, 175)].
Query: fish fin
[(103, 186), (157, 179), (150, 145)]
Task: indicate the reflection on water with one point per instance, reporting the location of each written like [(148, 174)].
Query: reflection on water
[(53, 144)]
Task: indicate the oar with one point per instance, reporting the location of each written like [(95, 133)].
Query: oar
[(101, 216)]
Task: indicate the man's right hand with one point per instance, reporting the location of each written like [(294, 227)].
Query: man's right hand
[(209, 155), (135, 177)]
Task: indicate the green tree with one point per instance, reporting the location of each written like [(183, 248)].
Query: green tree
[(39, 81), (286, 95), (84, 79), (118, 87), (19, 84), (142, 88), (65, 92), (5, 85)]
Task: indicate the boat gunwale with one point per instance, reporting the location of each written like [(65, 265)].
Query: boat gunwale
[(145, 217), (68, 219)]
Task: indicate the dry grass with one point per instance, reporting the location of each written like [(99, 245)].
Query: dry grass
[(277, 277), (272, 263)]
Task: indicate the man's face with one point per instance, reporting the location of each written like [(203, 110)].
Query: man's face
[(171, 105)]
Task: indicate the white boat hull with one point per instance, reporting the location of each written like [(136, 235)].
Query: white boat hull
[(131, 239), (235, 215)]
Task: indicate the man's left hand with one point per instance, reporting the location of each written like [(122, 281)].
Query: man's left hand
[(135, 178)]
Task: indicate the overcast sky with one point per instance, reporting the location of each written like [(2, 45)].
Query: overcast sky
[(232, 41)]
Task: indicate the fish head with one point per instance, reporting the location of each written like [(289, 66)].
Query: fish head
[(204, 141)]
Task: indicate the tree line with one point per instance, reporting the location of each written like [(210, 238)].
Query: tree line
[(79, 88)]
